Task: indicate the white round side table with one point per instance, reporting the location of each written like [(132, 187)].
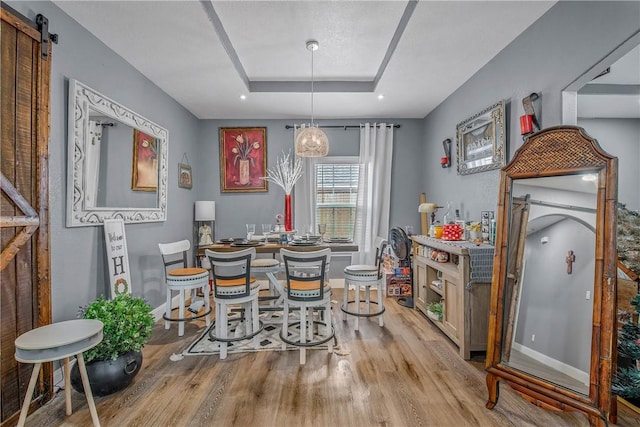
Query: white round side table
[(57, 341)]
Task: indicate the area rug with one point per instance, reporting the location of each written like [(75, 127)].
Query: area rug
[(269, 338)]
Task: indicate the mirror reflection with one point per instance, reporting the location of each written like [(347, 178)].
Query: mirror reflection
[(117, 162), (110, 172), (551, 267)]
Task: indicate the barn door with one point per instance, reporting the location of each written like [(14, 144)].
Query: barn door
[(24, 218)]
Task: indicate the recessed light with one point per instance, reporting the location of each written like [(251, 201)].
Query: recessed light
[(590, 177), (381, 97), (243, 97)]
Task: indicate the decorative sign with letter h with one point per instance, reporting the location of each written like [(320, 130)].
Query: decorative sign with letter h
[(117, 257)]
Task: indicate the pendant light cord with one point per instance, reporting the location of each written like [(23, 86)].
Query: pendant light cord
[(312, 86)]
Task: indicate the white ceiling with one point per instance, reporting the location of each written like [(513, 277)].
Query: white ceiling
[(175, 44)]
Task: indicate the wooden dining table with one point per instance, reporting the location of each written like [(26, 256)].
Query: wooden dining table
[(274, 248)]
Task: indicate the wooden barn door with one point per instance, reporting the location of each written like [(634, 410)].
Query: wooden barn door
[(25, 301)]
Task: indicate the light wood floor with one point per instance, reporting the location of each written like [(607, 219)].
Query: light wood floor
[(405, 374)]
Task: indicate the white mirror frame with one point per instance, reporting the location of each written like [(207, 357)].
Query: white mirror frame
[(82, 99)]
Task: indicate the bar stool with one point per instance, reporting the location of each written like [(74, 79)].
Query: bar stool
[(365, 277), (181, 280), (307, 289), (54, 342), (233, 284)]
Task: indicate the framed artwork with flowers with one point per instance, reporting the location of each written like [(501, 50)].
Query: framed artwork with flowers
[(144, 176), (243, 160)]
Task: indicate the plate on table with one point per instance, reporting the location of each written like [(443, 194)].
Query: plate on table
[(246, 244), (339, 240), (227, 240), (307, 238), (302, 243)]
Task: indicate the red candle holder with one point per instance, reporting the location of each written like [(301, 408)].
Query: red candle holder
[(526, 124)]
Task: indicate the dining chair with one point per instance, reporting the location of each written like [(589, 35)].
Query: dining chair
[(233, 285), (365, 277), (181, 280), (307, 289)]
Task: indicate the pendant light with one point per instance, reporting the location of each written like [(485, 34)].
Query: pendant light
[(312, 141)]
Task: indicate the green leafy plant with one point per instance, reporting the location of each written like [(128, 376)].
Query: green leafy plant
[(127, 325), (435, 308)]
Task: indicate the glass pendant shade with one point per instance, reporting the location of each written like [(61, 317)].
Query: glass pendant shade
[(312, 142)]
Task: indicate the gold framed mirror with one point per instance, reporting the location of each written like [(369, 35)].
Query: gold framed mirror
[(551, 324)]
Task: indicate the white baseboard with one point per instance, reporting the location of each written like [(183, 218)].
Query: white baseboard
[(569, 370)]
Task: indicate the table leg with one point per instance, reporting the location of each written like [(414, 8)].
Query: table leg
[(27, 397), (67, 385), (87, 390)]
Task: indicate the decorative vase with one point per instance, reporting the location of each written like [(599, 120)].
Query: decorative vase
[(288, 213), (108, 376), (244, 172)]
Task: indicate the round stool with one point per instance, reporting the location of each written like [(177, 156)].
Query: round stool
[(367, 277), (54, 342), (181, 280)]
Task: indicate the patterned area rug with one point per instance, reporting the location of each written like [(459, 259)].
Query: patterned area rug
[(269, 338)]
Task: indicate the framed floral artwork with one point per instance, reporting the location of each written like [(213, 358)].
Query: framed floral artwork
[(144, 176), (481, 141), (243, 160)]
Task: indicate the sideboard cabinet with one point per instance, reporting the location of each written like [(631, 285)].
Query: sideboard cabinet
[(465, 299)]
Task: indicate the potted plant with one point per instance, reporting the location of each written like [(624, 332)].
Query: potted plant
[(434, 310), (112, 364)]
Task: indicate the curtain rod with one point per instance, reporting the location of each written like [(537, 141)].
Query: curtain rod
[(345, 127)]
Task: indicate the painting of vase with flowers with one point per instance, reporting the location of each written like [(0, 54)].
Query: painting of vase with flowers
[(243, 159)]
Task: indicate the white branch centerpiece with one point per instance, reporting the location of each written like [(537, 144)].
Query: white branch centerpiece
[(285, 174)]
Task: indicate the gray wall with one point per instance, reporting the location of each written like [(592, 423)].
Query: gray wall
[(620, 138), (78, 269), (564, 43), (234, 210)]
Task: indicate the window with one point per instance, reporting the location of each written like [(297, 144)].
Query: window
[(336, 186)]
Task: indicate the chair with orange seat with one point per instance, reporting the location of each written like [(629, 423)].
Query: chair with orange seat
[(307, 289), (232, 285), (181, 280)]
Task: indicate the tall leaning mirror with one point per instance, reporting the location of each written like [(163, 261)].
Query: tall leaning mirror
[(117, 162), (551, 324)]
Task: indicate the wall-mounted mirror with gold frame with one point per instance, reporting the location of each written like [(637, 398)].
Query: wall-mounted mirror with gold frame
[(551, 324)]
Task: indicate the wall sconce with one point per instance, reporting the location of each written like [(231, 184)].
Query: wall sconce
[(445, 161), (529, 122)]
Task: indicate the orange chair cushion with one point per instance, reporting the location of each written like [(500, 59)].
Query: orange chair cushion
[(233, 282), (301, 285), (190, 271)]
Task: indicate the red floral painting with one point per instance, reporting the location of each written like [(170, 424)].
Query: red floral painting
[(145, 162), (243, 159)]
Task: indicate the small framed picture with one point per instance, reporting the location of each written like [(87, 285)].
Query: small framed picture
[(486, 216), (184, 176)]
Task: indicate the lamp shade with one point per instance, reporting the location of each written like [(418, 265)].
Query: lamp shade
[(427, 207), (205, 210), (312, 142)]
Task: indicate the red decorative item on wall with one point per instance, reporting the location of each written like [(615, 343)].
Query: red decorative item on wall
[(288, 213)]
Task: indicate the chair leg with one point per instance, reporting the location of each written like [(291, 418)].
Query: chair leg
[(367, 295), (285, 323), (380, 305), (357, 289), (345, 298), (167, 310), (327, 319), (223, 330), (207, 304), (255, 318), (181, 314), (303, 334)]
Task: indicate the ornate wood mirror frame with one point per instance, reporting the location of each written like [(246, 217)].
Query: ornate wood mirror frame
[(555, 161)]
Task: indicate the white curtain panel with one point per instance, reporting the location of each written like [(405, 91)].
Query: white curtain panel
[(92, 162), (303, 204), (374, 188)]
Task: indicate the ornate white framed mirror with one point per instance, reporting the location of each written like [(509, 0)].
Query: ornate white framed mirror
[(117, 162)]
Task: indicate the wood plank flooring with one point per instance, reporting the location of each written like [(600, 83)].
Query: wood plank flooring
[(405, 374)]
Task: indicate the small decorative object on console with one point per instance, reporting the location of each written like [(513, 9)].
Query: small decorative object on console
[(452, 232)]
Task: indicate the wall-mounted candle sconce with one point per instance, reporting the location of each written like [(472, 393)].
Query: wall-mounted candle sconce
[(445, 161), (529, 122)]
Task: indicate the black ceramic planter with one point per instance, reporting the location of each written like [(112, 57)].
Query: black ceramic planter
[(108, 376)]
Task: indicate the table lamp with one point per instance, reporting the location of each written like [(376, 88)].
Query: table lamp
[(205, 216)]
